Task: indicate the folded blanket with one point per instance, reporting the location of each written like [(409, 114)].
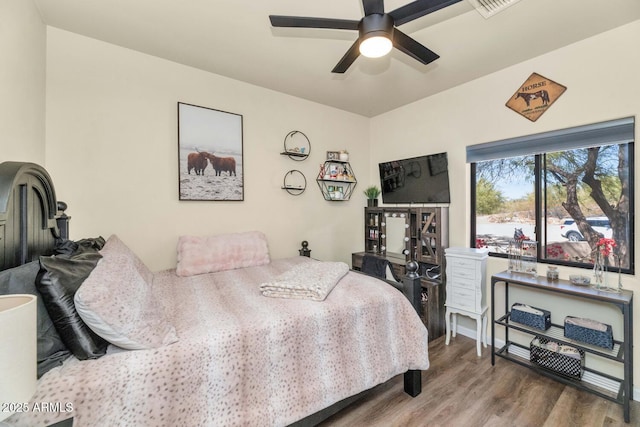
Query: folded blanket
[(559, 348), (586, 323), (527, 309), (311, 281)]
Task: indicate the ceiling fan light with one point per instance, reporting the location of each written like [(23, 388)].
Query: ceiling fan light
[(375, 47)]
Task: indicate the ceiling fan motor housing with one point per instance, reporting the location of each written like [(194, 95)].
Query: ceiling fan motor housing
[(376, 25)]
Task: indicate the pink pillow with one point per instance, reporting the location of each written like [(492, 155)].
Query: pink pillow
[(208, 254), (118, 304), (115, 246)]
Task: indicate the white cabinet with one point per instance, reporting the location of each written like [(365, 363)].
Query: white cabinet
[(466, 271)]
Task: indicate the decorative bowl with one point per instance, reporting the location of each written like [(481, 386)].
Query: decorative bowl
[(577, 279)]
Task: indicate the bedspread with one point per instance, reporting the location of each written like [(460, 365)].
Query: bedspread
[(242, 359)]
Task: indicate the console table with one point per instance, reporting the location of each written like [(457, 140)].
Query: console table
[(622, 351)]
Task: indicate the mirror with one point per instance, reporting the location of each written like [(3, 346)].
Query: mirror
[(396, 237)]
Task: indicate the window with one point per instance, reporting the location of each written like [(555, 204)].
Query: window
[(564, 189)]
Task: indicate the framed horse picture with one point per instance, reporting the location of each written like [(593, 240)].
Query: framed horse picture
[(210, 165), (535, 96)]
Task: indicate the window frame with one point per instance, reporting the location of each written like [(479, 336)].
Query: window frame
[(541, 194)]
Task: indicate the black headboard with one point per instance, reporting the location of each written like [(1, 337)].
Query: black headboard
[(31, 219)]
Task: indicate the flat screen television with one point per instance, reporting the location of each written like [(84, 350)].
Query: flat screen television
[(423, 179)]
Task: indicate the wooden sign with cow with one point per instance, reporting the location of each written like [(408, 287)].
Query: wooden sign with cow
[(535, 96)]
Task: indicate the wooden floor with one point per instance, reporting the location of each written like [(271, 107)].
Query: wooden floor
[(461, 389)]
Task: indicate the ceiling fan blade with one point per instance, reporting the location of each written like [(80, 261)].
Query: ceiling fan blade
[(406, 44), (417, 9), (348, 58), (305, 22), (373, 6)]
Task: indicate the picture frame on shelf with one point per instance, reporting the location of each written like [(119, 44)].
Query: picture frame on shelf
[(210, 154), (333, 155)]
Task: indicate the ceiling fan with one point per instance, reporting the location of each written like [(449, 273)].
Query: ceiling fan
[(378, 31)]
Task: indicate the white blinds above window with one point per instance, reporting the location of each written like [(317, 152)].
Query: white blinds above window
[(594, 135)]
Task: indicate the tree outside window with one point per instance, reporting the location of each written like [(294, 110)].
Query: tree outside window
[(565, 200)]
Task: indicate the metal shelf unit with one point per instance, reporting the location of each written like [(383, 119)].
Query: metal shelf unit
[(622, 351)]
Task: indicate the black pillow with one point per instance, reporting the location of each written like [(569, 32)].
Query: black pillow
[(69, 247), (59, 278), (22, 280)]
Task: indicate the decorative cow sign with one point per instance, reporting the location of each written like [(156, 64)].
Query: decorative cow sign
[(535, 96)]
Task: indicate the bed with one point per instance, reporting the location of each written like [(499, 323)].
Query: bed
[(207, 348)]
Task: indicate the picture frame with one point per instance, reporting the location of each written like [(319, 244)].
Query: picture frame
[(333, 155), (210, 154)]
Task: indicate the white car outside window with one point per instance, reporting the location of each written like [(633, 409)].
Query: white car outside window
[(600, 224)]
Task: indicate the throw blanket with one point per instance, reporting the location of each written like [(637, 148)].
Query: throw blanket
[(527, 309), (311, 281), (587, 323)]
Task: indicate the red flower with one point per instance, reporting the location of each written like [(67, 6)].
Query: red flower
[(605, 246), (555, 251)]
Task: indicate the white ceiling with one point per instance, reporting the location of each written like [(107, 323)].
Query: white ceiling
[(234, 38)]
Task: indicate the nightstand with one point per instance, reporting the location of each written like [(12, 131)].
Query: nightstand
[(466, 271)]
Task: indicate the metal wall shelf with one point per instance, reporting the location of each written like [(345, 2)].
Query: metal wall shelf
[(336, 180)]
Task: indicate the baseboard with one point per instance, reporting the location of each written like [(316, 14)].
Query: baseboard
[(592, 379)]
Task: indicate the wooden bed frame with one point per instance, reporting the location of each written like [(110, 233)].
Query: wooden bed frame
[(32, 220)]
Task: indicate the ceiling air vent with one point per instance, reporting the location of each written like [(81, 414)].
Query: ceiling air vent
[(488, 8)]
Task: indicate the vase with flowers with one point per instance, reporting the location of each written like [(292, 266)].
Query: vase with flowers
[(604, 248), (522, 254)]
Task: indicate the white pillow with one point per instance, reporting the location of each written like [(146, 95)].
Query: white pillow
[(208, 254), (118, 304)]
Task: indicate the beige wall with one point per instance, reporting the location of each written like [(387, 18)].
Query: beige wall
[(22, 82), (112, 152), (601, 77), (111, 139)]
